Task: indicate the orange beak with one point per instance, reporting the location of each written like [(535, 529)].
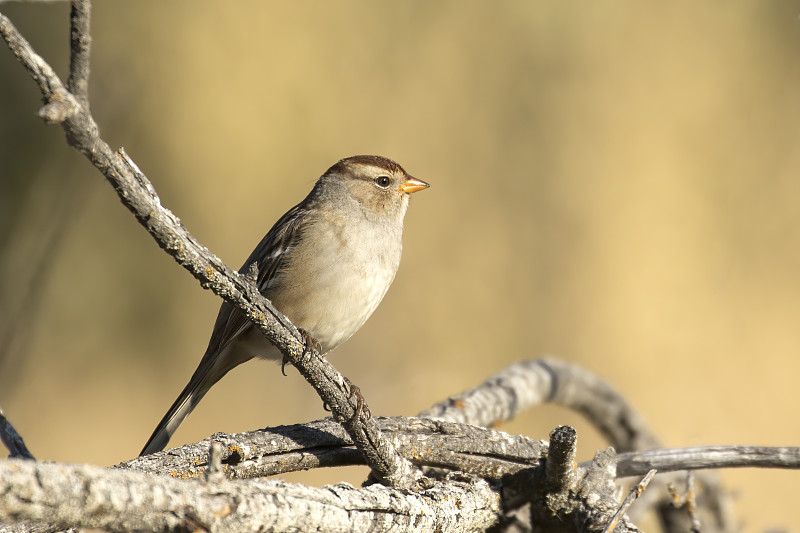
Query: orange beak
[(413, 185)]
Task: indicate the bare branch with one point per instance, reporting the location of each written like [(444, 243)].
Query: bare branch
[(478, 451), (540, 381), (701, 457), (94, 497), (80, 48)]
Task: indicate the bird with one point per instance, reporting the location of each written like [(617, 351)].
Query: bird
[(326, 264)]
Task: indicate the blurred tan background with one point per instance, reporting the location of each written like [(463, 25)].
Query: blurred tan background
[(614, 183)]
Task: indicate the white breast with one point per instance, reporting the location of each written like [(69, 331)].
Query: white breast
[(332, 289)]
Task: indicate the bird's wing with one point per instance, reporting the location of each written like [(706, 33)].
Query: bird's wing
[(270, 256), (230, 323)]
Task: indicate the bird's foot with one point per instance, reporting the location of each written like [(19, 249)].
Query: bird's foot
[(310, 345), (310, 342), (361, 406)]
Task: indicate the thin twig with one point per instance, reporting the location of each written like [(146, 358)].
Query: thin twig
[(691, 503), (633, 495), (80, 49), (702, 457), (688, 500)]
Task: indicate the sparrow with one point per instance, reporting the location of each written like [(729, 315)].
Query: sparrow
[(326, 264)]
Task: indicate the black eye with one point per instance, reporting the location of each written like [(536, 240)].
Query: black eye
[(382, 181)]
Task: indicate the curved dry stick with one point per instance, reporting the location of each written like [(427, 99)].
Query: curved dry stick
[(539, 381)]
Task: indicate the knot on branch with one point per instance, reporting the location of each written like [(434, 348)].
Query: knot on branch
[(60, 106), (567, 498)]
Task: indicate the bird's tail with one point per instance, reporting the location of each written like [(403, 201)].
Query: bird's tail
[(210, 370)]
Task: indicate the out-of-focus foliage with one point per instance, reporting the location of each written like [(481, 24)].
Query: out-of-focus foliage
[(615, 183)]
